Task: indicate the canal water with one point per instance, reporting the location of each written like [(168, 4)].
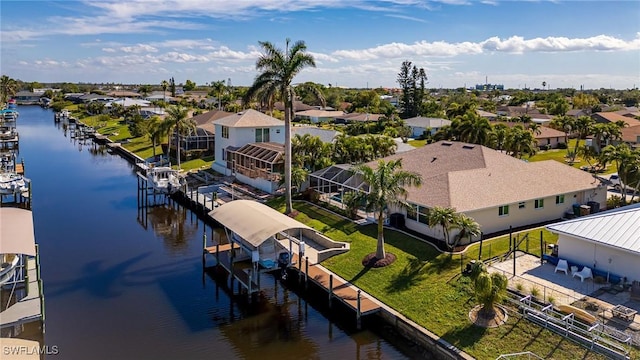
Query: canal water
[(122, 286)]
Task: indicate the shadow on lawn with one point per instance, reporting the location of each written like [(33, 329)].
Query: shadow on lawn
[(408, 277), (465, 337)]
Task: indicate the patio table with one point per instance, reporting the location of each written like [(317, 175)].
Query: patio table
[(623, 312)]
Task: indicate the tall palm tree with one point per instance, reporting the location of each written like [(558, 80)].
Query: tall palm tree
[(278, 68), (387, 187), (176, 116), (498, 136), (565, 124), (443, 216), (154, 131), (583, 127), (164, 84), (8, 88)]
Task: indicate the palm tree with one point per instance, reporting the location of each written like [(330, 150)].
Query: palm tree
[(627, 163), (467, 228), (520, 141), (490, 289), (387, 187), (219, 89), (498, 136), (175, 120), (443, 216), (164, 84), (8, 88), (278, 68), (583, 126), (565, 124)]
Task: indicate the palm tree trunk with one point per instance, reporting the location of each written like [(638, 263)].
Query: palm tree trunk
[(380, 253), (178, 146), (287, 154)]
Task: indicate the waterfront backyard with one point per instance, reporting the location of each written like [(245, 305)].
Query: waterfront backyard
[(427, 287)]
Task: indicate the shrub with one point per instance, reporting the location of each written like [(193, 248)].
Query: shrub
[(535, 292), (519, 286), (562, 145)]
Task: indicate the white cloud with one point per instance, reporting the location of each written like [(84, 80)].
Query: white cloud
[(138, 48), (109, 50)]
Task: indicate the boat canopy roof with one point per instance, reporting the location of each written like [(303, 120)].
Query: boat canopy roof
[(16, 231), (252, 221)]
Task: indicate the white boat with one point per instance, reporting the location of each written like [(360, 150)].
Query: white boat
[(12, 183), (164, 179)]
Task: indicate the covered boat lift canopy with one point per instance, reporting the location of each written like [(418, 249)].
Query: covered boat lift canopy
[(16, 232), (254, 222)]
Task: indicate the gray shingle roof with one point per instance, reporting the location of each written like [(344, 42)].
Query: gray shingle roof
[(471, 177)]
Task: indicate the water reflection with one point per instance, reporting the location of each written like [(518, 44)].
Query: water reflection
[(169, 222)]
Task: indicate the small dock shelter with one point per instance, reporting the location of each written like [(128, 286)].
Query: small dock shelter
[(257, 234)]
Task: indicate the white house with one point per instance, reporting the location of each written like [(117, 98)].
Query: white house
[(496, 190), (235, 131), (607, 242), (421, 124), (316, 116)]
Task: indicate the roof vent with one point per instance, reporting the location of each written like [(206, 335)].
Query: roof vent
[(241, 113), (468, 147), (446, 143)]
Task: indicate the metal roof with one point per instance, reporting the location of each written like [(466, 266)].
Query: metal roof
[(618, 228), (253, 222)]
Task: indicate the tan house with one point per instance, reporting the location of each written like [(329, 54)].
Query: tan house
[(549, 137), (612, 117), (631, 135), (495, 189)]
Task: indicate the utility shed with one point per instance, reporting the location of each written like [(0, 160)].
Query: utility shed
[(608, 242)]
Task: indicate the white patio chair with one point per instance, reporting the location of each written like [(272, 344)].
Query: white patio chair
[(563, 265), (585, 273)]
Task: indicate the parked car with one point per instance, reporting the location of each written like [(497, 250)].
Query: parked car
[(615, 181)]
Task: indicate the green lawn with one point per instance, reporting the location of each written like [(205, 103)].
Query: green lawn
[(426, 286)]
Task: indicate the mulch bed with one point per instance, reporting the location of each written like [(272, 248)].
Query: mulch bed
[(372, 261)]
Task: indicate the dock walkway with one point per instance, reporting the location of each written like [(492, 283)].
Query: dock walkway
[(27, 309), (337, 287)]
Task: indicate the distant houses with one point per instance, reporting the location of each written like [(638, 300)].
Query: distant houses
[(420, 125)]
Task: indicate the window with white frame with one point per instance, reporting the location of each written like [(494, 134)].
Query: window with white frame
[(503, 210), (559, 199), (262, 135), (539, 203), (225, 132), (521, 205)]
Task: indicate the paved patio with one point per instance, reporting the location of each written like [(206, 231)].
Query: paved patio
[(563, 288)]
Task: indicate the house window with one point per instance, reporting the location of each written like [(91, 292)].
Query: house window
[(412, 212), (503, 210), (423, 215), (521, 205), (559, 199), (262, 135), (277, 131), (539, 203), (225, 132)]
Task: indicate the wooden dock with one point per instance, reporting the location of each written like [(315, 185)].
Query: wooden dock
[(337, 288), (242, 275)]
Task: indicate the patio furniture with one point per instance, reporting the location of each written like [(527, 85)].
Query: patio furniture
[(563, 265), (585, 273), (574, 269), (623, 312)]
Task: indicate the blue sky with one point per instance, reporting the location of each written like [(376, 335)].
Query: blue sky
[(356, 43)]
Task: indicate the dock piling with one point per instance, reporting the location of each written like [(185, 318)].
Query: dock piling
[(358, 313), (330, 289), (306, 271)]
